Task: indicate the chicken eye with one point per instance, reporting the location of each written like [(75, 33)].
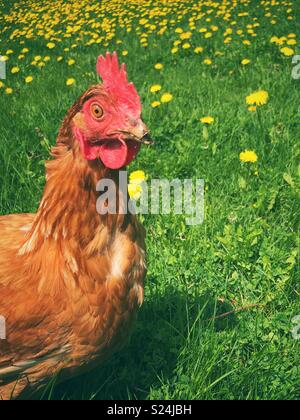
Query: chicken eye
[(97, 111)]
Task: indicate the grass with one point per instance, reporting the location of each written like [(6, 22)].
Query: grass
[(246, 252)]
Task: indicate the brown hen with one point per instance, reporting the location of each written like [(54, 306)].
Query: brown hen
[(71, 279)]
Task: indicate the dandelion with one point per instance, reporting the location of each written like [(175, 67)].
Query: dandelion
[(135, 188), (185, 35), (288, 52), (155, 104), (186, 46), (59, 59), (71, 62), (15, 70), (207, 62), (155, 88), (1, 84), (135, 191), (8, 91), (166, 97), (258, 98), (198, 50), (174, 50), (124, 53), (248, 156), (207, 120), (28, 79), (158, 66), (70, 82), (137, 177), (245, 62), (51, 45)]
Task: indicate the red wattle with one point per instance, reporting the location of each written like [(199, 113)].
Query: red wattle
[(115, 154)]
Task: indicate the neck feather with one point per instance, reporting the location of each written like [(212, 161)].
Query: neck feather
[(67, 211)]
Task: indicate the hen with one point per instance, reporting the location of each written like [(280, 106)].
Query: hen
[(71, 279)]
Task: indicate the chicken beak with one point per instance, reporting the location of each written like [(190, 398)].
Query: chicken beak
[(147, 140), (140, 134)]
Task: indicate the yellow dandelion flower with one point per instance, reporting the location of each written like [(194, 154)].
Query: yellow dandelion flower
[(59, 59), (198, 50), (186, 46), (1, 84), (288, 52), (166, 97), (137, 177), (155, 104), (208, 62), (174, 50), (245, 62), (8, 91), (135, 191), (15, 70), (291, 42), (71, 62), (155, 88), (248, 156), (28, 79), (158, 66), (51, 45), (258, 98), (274, 40), (124, 53), (70, 82), (207, 120)]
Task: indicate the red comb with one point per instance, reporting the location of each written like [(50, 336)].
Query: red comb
[(115, 79)]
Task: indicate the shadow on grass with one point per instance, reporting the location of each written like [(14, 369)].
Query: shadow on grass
[(151, 357)]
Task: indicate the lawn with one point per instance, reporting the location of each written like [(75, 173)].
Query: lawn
[(244, 258)]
